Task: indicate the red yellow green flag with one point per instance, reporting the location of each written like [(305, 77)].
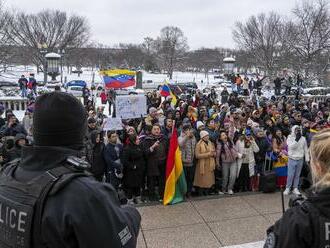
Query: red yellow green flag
[(176, 186)]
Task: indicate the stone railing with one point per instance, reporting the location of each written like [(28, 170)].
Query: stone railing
[(14, 103)]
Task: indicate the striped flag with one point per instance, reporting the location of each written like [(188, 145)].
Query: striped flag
[(118, 78), (165, 91), (176, 186)]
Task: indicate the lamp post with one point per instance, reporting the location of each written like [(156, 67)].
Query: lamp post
[(62, 53), (53, 65)]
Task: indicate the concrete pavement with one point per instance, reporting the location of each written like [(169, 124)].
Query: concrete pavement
[(207, 223)]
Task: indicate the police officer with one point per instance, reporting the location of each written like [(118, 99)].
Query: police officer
[(47, 199), (307, 223)]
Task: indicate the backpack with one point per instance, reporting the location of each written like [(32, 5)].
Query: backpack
[(21, 204)]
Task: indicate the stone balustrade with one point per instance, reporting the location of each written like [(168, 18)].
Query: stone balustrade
[(15, 103)]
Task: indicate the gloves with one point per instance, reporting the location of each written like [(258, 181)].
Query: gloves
[(298, 136)]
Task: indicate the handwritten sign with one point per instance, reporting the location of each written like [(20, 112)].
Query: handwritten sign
[(113, 124), (131, 106)]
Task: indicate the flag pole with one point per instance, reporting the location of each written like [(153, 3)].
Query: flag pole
[(173, 126)]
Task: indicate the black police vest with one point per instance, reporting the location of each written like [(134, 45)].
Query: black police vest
[(21, 204), (321, 227)]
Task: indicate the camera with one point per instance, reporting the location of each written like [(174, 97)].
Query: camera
[(296, 200)]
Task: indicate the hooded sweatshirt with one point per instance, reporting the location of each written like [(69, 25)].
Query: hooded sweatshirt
[(297, 150)]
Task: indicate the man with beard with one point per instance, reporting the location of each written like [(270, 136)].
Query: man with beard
[(152, 117), (155, 147), (167, 129), (297, 118)]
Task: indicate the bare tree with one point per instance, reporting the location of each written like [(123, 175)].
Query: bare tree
[(308, 36), (132, 55), (204, 59), (171, 47), (262, 37), (150, 63), (50, 28), (5, 53)]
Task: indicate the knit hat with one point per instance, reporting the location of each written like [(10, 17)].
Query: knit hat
[(59, 120), (152, 110), (199, 124), (203, 134)]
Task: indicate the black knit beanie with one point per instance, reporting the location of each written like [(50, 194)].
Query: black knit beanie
[(59, 120)]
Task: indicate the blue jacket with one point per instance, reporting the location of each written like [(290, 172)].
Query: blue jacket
[(111, 156)]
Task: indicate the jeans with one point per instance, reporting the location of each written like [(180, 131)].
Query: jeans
[(24, 93), (189, 172), (228, 170), (294, 170)]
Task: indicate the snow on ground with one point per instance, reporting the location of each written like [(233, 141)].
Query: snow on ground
[(14, 73)]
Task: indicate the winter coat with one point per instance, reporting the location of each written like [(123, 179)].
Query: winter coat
[(297, 150), (248, 156), (22, 82), (111, 155), (27, 123), (96, 155), (264, 147), (303, 226), (187, 147), (134, 166), (13, 130), (158, 156), (224, 96), (228, 156), (16, 152), (103, 97), (204, 173)]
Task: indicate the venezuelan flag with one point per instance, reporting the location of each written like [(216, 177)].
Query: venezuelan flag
[(118, 78), (176, 186)]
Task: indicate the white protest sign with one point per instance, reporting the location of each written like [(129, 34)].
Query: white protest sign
[(113, 124), (131, 106)]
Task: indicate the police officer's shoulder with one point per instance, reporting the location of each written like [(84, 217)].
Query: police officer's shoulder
[(77, 163), (295, 221), (8, 166)]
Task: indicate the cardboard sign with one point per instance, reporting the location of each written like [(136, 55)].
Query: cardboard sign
[(131, 106), (113, 124)]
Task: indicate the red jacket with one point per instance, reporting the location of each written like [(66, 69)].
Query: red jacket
[(103, 97)]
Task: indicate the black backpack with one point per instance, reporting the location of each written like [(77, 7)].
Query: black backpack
[(22, 204)]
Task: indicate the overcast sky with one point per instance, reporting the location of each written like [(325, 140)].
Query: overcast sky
[(206, 23)]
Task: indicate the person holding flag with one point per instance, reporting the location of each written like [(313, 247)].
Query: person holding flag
[(167, 92), (187, 143), (155, 148), (176, 186)]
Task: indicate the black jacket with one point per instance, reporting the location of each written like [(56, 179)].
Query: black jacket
[(95, 155), (303, 226), (264, 147), (13, 130), (112, 158), (85, 213), (134, 166)]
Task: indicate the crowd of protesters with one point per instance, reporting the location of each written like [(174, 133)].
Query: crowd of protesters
[(224, 139)]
